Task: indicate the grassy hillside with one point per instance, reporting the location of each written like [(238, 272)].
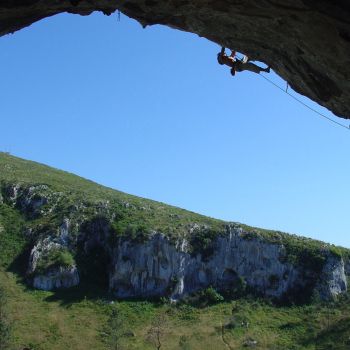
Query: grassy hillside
[(17, 170), (69, 320), (153, 214), (80, 317)]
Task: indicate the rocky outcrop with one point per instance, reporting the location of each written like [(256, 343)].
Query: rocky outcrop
[(57, 278), (51, 264), (32, 200), (158, 268), (307, 42), (347, 266), (332, 281)]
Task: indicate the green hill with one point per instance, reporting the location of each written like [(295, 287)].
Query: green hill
[(84, 316)]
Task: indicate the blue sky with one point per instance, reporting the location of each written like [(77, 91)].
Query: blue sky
[(150, 112)]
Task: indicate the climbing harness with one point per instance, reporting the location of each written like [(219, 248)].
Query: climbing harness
[(304, 104)]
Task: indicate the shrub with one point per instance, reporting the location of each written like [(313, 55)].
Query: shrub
[(65, 258), (187, 312), (202, 242), (210, 296), (138, 233), (57, 257), (237, 290)]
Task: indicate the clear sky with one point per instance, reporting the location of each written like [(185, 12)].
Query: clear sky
[(150, 112)]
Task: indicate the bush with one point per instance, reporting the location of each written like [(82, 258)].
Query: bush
[(238, 289), (202, 242), (65, 258), (210, 296), (187, 313), (58, 257), (138, 233)]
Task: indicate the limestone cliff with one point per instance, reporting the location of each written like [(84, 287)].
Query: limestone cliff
[(150, 263), (307, 42), (158, 268)]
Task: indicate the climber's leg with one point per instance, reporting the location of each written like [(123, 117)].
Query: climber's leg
[(252, 68)]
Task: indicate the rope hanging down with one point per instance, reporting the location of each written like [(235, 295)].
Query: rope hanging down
[(304, 104)]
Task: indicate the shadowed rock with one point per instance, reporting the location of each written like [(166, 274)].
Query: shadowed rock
[(307, 42)]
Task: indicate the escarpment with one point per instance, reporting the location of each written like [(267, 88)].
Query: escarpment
[(306, 42), (237, 261), (137, 248)]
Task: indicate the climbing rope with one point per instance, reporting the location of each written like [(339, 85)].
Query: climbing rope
[(304, 104)]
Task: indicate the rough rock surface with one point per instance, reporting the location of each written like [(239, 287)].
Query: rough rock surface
[(158, 268), (56, 276), (307, 42), (32, 199), (332, 280)]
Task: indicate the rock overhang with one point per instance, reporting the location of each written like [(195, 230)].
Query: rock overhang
[(306, 42)]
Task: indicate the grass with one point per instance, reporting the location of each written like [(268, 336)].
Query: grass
[(12, 241), (47, 321)]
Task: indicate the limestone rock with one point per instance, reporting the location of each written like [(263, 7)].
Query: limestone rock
[(46, 269), (158, 268), (332, 280), (57, 278), (31, 199)]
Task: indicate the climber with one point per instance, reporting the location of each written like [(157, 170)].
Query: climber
[(239, 65), (224, 59)]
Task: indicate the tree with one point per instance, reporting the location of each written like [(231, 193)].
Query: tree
[(157, 330), (115, 330), (5, 326)]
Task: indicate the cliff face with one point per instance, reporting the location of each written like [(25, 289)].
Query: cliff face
[(150, 268), (158, 268), (154, 264), (307, 42)]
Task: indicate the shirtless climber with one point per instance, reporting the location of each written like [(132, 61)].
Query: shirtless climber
[(239, 65)]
